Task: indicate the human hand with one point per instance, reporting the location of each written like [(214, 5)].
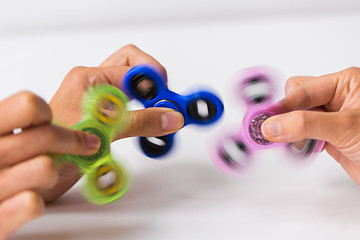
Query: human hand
[(338, 96), (24, 169), (66, 106)]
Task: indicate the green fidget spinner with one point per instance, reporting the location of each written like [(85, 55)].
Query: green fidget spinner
[(104, 115)]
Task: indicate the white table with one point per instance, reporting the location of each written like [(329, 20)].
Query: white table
[(185, 196)]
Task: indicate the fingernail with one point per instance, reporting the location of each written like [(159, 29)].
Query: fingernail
[(171, 121), (93, 141), (271, 128)]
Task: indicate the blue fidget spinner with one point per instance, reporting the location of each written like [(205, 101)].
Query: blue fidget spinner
[(146, 83)]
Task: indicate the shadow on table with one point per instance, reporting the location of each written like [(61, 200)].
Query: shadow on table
[(100, 232), (180, 185), (158, 188), (151, 191)]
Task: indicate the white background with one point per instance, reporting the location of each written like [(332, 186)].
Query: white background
[(200, 43)]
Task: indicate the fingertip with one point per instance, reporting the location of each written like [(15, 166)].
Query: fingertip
[(285, 127), (299, 125), (85, 143), (93, 143), (172, 121), (271, 128), (18, 210), (33, 204)]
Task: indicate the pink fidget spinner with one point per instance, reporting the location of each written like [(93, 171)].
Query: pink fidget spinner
[(233, 154)]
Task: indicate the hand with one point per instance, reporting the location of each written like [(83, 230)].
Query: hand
[(24, 169), (66, 106), (338, 95)]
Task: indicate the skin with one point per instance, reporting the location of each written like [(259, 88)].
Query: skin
[(23, 160), (337, 95)]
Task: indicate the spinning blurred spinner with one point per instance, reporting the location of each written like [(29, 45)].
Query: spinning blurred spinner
[(234, 153), (104, 115), (146, 83)]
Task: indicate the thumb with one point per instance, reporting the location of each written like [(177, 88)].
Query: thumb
[(153, 122), (298, 125)]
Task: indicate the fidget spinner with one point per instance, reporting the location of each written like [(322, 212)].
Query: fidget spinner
[(234, 153), (146, 83), (104, 115)]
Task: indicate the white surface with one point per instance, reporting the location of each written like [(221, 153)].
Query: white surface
[(186, 197), (20, 16)]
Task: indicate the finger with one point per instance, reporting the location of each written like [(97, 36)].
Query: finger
[(37, 173), (17, 210), (153, 122), (298, 125), (312, 92), (46, 139), (101, 75), (69, 174), (23, 110), (85, 77), (129, 55), (294, 82), (336, 91)]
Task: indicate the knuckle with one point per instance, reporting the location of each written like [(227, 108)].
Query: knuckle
[(350, 73), (142, 121), (26, 95), (349, 77), (129, 47), (303, 120), (292, 81), (77, 72), (96, 76), (352, 70), (306, 99), (32, 105), (87, 76), (33, 205), (47, 171)]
